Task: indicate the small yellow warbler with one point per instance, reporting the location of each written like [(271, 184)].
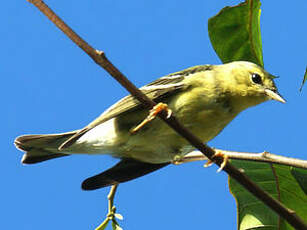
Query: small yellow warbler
[(204, 99)]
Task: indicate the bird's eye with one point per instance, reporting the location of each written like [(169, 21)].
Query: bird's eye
[(256, 78)]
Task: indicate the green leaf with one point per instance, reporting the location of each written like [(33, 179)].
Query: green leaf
[(279, 182), (304, 79), (301, 177), (235, 33)]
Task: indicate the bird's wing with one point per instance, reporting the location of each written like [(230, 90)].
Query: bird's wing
[(156, 90)]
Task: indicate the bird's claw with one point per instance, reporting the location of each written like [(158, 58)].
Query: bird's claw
[(152, 115), (218, 154), (177, 160)]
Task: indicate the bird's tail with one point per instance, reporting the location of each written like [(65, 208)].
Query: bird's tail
[(40, 148)]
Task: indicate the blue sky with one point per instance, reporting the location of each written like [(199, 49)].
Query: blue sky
[(49, 85)]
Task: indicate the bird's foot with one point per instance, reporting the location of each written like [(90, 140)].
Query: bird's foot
[(152, 115), (177, 160), (218, 154)]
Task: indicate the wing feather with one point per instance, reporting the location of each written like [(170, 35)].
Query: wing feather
[(156, 90)]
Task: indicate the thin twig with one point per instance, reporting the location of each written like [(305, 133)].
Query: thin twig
[(111, 196), (111, 208), (261, 157), (100, 58)]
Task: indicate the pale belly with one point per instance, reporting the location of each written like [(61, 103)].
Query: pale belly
[(155, 143)]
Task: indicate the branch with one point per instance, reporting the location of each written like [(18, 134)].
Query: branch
[(261, 157), (111, 210), (100, 58)]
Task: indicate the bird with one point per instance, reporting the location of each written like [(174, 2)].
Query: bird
[(204, 98)]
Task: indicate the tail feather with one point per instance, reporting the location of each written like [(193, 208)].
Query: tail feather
[(39, 155), (40, 148), (125, 170)]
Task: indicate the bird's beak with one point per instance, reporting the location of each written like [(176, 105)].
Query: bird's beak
[(274, 95)]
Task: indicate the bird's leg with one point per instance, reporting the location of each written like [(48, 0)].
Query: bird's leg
[(152, 115), (178, 159), (218, 154)]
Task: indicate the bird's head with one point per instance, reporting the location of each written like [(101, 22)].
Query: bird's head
[(248, 83)]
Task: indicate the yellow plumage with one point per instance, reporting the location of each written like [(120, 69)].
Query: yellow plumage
[(203, 98)]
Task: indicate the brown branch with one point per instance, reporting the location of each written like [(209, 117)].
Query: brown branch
[(102, 60), (261, 157)]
